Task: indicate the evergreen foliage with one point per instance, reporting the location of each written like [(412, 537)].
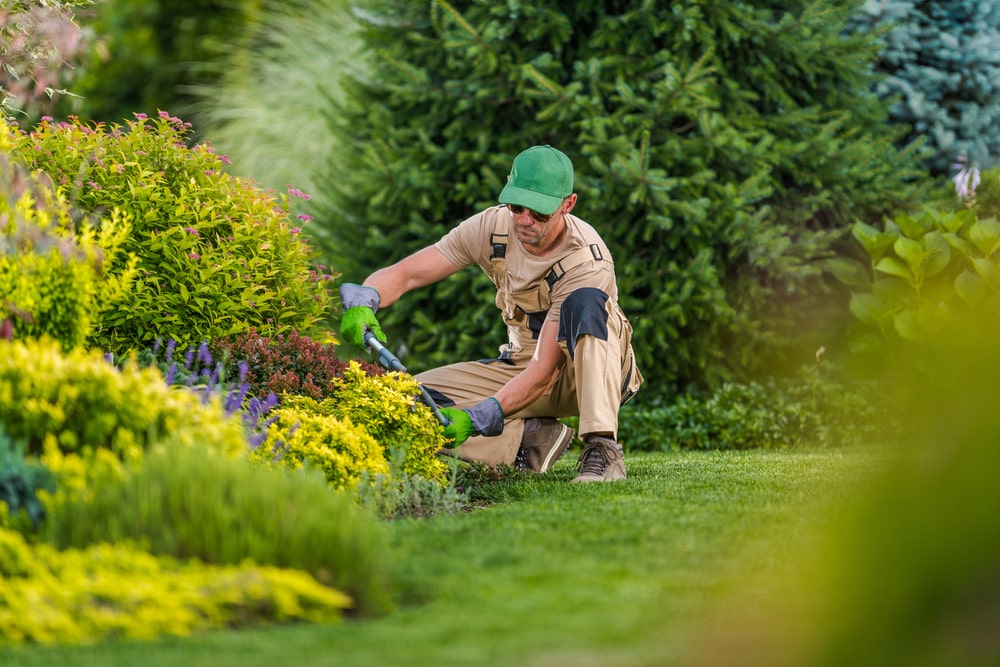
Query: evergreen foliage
[(943, 73), (721, 148)]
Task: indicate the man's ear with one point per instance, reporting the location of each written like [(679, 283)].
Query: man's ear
[(569, 202)]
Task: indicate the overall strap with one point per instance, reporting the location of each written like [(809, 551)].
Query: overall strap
[(498, 239), (576, 258)]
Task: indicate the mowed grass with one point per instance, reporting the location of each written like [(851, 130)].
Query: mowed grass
[(559, 574)]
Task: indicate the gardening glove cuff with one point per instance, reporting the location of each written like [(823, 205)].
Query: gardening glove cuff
[(487, 417), (353, 295)]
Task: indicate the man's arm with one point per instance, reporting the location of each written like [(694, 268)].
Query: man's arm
[(486, 417), (419, 269), (537, 377)]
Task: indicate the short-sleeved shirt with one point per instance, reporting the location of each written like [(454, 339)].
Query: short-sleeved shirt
[(523, 295)]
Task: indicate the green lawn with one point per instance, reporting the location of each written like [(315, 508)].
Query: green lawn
[(558, 574)]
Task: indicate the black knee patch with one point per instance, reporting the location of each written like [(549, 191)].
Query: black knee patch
[(583, 312)]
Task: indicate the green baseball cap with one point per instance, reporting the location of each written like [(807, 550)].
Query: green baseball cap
[(540, 178)]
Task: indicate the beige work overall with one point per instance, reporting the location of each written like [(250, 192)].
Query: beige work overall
[(598, 376)]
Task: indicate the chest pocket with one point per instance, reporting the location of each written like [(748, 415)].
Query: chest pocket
[(528, 308)]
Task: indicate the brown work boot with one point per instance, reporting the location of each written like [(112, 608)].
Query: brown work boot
[(544, 441), (602, 460)]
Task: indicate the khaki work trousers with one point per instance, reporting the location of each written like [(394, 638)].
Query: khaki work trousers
[(594, 382)]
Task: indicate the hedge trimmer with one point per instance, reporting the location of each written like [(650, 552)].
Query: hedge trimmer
[(390, 361)]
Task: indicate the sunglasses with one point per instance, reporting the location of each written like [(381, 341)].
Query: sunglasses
[(535, 215)]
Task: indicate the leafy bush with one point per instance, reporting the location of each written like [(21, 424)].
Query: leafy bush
[(20, 481), (286, 364), (188, 502), (77, 403), (300, 436), (925, 271), (53, 278), (108, 592), (388, 409), (216, 255), (812, 408)]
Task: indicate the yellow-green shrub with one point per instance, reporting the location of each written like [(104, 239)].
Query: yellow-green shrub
[(388, 409), (53, 272), (119, 592), (77, 403), (195, 503), (300, 435)]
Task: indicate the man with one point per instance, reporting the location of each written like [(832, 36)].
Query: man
[(569, 344)]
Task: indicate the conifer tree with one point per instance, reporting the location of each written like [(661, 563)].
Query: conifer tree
[(942, 67), (721, 148)]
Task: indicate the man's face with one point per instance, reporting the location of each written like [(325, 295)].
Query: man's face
[(535, 229)]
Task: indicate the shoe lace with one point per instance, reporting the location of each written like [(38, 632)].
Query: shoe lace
[(593, 460)]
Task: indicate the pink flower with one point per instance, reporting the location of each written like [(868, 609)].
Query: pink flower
[(191, 230), (195, 256)]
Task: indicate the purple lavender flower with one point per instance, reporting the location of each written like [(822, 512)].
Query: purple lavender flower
[(204, 356)]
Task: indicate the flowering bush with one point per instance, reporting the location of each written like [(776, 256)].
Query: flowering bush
[(287, 363), (216, 255)]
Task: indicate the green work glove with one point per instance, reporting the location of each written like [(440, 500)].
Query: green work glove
[(359, 303), (486, 418), (460, 425)]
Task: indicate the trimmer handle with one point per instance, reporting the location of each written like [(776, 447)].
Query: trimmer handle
[(392, 362)]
